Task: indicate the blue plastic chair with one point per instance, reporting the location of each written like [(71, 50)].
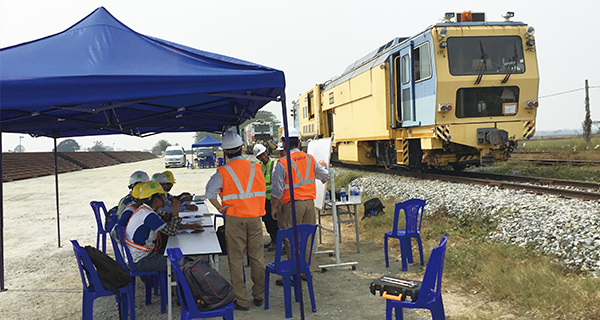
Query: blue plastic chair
[(413, 213), (189, 309), (430, 295), (202, 163), (211, 162), (220, 162), (287, 268), (134, 272), (149, 281), (97, 207), (93, 288)]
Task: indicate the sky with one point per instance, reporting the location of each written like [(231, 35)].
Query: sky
[(312, 41)]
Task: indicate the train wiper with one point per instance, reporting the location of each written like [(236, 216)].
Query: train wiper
[(482, 67), (513, 65)]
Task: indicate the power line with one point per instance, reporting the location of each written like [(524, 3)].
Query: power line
[(559, 93)]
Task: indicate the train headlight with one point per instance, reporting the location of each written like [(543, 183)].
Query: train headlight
[(444, 107), (530, 31), (531, 42), (444, 32), (531, 104), (443, 44)]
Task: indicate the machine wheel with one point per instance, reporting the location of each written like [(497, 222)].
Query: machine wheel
[(458, 167)]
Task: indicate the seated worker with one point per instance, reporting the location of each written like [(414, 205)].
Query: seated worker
[(146, 233), (166, 180), (135, 178), (129, 210)]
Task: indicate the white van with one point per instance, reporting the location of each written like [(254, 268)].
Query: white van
[(175, 156)]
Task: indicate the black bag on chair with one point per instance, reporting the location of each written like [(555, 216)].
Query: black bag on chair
[(373, 207), (210, 290)]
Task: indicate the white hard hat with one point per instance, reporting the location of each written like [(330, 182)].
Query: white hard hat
[(293, 132), (231, 140), (280, 146), (259, 149), (160, 178), (138, 176)]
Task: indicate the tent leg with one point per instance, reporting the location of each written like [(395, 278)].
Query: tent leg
[(293, 204), (2, 288), (56, 185)]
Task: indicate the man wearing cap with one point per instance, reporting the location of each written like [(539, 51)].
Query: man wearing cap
[(241, 186), (305, 170), (144, 229), (135, 178), (268, 164), (129, 210)]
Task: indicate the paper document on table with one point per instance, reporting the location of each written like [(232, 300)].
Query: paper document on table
[(321, 150)]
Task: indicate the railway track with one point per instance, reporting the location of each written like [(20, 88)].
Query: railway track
[(562, 188), (551, 162)]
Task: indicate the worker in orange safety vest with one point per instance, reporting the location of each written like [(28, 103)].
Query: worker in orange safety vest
[(241, 186)]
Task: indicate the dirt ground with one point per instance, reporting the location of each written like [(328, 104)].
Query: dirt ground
[(43, 281)]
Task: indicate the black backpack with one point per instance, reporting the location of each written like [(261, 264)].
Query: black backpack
[(209, 288), (112, 275), (373, 207)]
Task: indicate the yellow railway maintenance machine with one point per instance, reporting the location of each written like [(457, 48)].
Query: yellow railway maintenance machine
[(460, 93)]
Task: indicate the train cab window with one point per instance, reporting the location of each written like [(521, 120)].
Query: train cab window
[(485, 55), (422, 62), (310, 110), (485, 102)]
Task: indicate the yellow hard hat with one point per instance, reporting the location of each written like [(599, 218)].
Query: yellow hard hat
[(135, 192), (169, 175), (150, 188)]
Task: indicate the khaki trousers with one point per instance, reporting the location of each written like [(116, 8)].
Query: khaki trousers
[(245, 233), (305, 213)]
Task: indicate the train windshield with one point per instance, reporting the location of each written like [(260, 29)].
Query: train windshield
[(262, 128), (485, 55)]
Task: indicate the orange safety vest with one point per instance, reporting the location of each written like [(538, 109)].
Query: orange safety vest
[(243, 189), (303, 177)]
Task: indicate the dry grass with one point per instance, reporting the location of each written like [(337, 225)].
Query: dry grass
[(520, 280)]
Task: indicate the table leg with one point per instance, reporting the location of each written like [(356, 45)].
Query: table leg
[(356, 227), (169, 299)]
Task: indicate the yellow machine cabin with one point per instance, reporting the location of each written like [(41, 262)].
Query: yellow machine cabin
[(460, 93)]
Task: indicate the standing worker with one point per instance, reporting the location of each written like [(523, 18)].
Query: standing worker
[(241, 186), (268, 164), (305, 170)]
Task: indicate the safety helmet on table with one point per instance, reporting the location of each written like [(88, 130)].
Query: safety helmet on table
[(138, 176), (259, 149), (293, 132), (280, 146), (169, 175), (231, 140), (160, 178), (135, 192), (150, 188)]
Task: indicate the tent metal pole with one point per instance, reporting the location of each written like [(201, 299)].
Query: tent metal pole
[(2, 288), (293, 202), (56, 185)]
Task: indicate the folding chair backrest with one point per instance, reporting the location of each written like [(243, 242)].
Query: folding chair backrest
[(89, 276), (99, 213), (121, 234), (306, 234), (413, 214), (431, 287), (187, 300)]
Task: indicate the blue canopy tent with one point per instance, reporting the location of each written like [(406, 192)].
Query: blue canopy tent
[(207, 141), (100, 77)]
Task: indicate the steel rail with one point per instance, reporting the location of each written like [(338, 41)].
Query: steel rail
[(527, 184)]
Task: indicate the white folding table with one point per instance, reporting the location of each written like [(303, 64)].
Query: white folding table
[(192, 244)]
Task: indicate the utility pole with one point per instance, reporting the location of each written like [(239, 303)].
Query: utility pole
[(587, 123)]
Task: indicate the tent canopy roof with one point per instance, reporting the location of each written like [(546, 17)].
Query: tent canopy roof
[(207, 141), (101, 77)]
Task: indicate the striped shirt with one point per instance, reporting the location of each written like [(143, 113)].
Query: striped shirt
[(141, 232)]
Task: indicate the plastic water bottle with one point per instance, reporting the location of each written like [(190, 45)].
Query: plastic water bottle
[(343, 194), (327, 195)]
